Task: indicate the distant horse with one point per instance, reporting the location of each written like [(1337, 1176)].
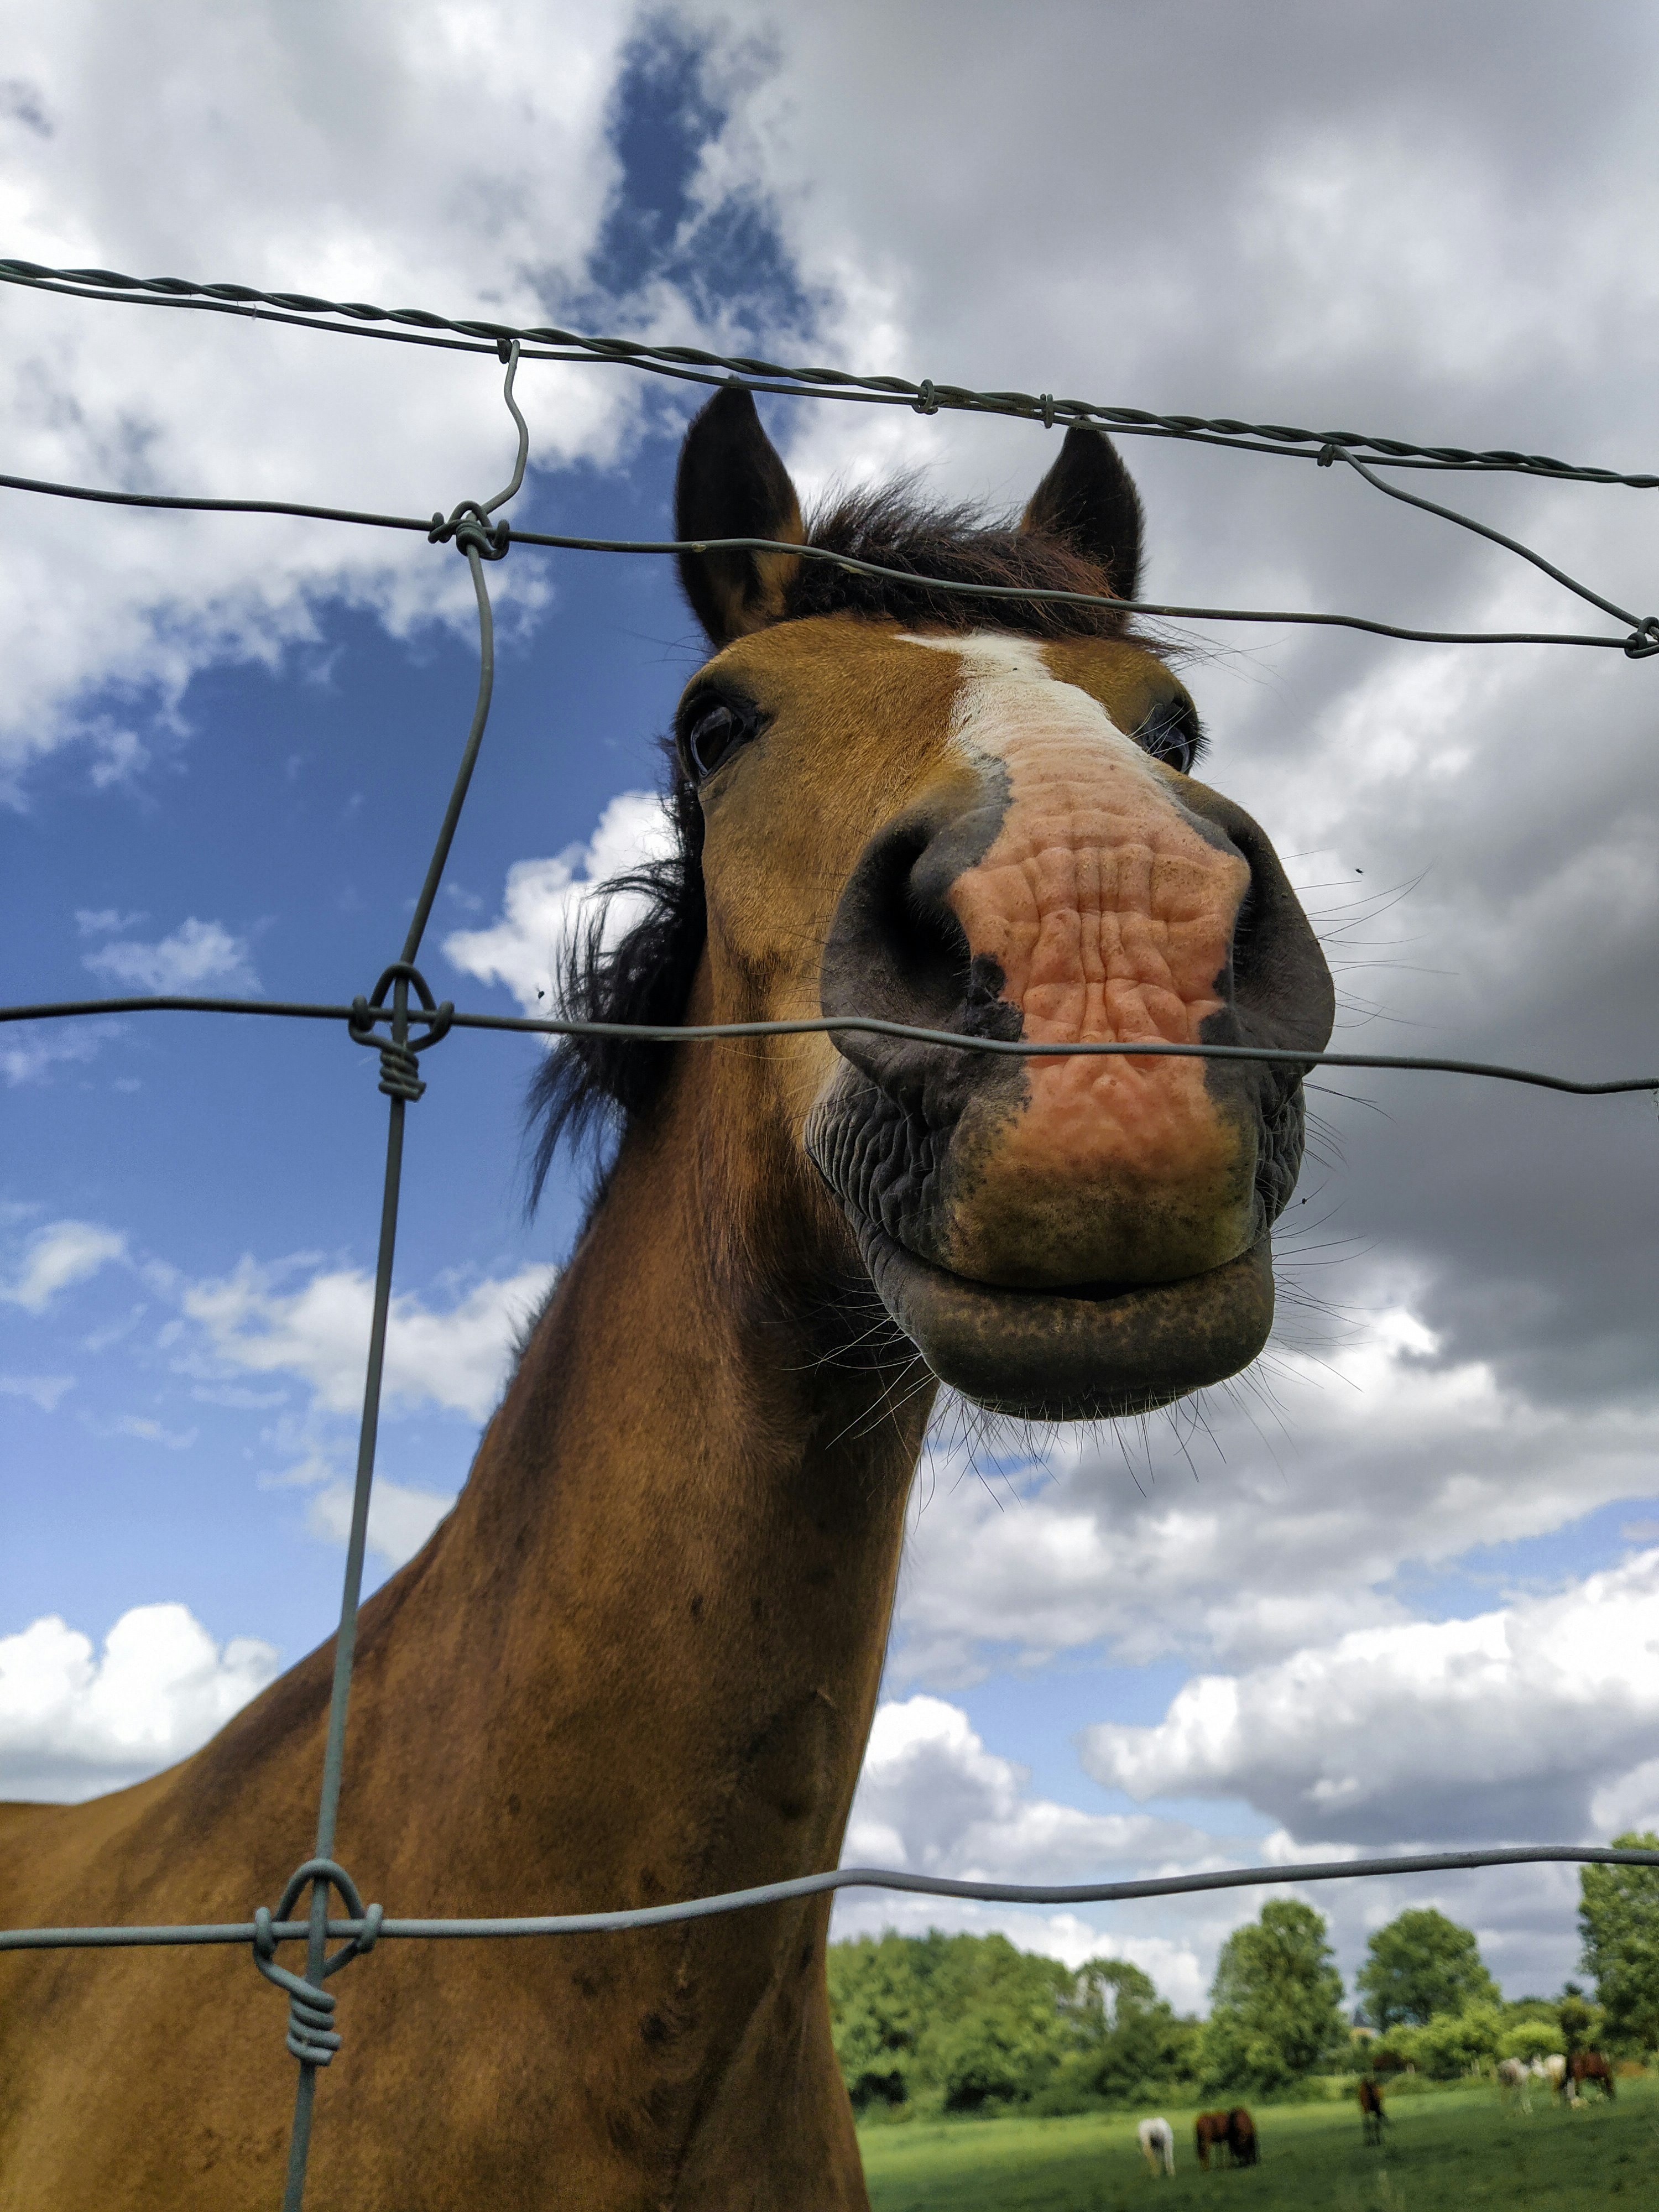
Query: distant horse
[(1241, 2137), (1553, 2069), (1210, 2132), (1371, 2114), (1587, 2066), (1513, 2079), (1157, 2140)]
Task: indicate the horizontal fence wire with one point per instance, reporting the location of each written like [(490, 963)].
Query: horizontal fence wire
[(820, 1885), (403, 1005), (1639, 644), (419, 324), (554, 1025)]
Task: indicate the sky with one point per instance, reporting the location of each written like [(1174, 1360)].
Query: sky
[(1399, 1587)]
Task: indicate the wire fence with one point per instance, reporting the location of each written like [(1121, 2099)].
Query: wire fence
[(402, 1004)]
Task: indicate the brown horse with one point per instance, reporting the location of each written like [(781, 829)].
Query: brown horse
[(1373, 2118), (640, 1659), (1586, 2066), (1241, 2137), (1210, 2132)]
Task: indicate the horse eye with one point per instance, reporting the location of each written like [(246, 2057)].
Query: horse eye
[(714, 734), (1171, 733)]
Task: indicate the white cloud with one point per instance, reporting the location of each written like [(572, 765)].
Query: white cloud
[(400, 1519), (73, 1722), (454, 1358), (29, 1049), (106, 921), (58, 1257), (1521, 1723), (932, 1800), (197, 954), (545, 901), (1629, 1800), (1257, 1524), (43, 1390), (151, 1431), (454, 158)]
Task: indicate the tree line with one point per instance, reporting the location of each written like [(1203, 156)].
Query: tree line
[(967, 2023)]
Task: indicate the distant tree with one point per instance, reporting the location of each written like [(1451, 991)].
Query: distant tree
[(1528, 2038), (1581, 2021), (878, 2009), (999, 2024), (1420, 1965), (948, 2021), (1451, 2044), (1131, 2036), (1275, 2004), (1108, 1988), (989, 2057), (1619, 1920)]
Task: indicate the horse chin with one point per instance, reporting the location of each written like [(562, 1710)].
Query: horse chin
[(1096, 1352)]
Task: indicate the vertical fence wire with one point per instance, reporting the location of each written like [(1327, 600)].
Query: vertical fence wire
[(469, 529)]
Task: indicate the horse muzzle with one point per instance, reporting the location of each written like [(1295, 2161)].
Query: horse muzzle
[(1071, 1237)]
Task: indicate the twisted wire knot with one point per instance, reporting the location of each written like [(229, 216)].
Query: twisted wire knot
[(926, 402), (1046, 409), (471, 531), (400, 1074), (1643, 640), (312, 2035), (1326, 455)]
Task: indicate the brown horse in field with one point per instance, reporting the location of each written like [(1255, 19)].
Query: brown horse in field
[(1241, 2137), (1372, 2118), (1586, 2066), (1210, 2132), (640, 1659)]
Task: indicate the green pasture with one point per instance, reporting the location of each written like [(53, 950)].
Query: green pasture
[(1442, 2152)]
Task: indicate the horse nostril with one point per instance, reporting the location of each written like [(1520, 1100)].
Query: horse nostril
[(931, 956), (911, 949)]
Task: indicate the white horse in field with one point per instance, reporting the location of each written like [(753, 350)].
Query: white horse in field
[(1157, 2140), (1515, 2080)]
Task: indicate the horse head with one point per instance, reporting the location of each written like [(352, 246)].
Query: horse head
[(977, 815)]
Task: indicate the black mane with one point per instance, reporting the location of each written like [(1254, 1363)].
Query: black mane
[(589, 1088)]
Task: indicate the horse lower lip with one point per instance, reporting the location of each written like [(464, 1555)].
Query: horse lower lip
[(1080, 1354)]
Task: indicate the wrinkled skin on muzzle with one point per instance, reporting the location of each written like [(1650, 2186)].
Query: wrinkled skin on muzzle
[(1066, 1235)]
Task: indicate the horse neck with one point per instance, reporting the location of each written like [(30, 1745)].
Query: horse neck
[(664, 1597)]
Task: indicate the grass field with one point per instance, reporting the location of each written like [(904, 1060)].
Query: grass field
[(1441, 2153)]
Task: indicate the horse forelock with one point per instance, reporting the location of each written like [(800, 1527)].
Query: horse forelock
[(890, 527)]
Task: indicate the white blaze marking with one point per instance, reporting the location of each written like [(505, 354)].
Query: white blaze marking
[(1008, 692)]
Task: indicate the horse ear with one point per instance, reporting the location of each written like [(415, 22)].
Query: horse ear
[(732, 483), (1089, 499)]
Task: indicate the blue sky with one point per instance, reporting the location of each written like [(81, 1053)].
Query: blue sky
[(230, 743), (299, 810)]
